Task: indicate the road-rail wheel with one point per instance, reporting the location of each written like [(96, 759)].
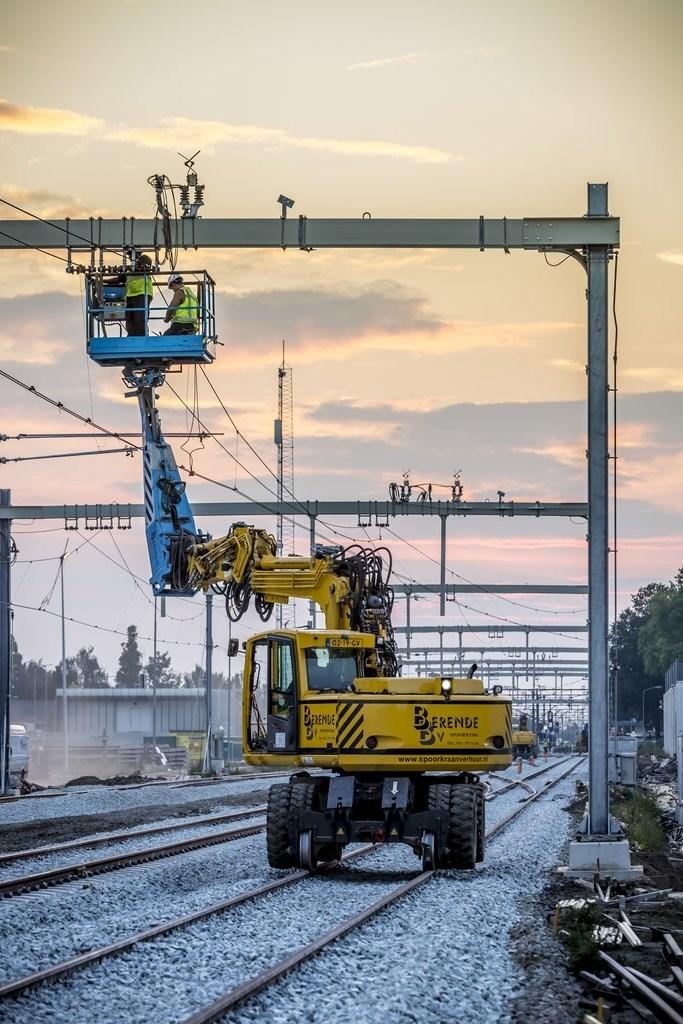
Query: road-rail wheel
[(428, 851), (277, 827), (304, 797)]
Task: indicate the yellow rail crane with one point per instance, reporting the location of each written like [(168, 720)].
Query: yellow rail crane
[(402, 754), (524, 740)]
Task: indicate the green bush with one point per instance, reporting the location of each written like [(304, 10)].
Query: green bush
[(639, 815)]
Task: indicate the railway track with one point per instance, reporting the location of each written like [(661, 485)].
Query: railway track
[(158, 783), (275, 971), (123, 836), (85, 869)]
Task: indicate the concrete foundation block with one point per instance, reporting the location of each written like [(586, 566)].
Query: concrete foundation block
[(601, 856)]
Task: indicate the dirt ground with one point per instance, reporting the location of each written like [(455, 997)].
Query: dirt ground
[(41, 833)]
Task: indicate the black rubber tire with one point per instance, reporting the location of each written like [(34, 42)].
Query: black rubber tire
[(481, 824), (460, 802), (462, 834), (277, 830)]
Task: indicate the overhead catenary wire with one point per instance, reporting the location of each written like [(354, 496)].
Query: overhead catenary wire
[(463, 604), (34, 248), (104, 629), (65, 408), (90, 242), (66, 455)]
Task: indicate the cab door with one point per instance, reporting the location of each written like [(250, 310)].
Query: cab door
[(282, 703)]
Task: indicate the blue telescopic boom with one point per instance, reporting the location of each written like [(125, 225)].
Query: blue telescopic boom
[(169, 523)]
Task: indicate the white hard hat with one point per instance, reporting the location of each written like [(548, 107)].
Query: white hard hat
[(175, 278)]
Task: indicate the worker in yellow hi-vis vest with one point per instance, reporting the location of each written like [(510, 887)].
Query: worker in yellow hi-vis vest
[(139, 290), (183, 311)]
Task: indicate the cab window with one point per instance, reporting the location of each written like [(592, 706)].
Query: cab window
[(282, 684), (330, 668), (258, 689)]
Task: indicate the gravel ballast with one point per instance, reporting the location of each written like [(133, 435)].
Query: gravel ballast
[(441, 955)]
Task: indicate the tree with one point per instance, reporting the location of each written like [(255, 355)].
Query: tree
[(90, 673), (72, 678), (130, 661), (195, 678), (625, 654), (660, 640), (158, 671)]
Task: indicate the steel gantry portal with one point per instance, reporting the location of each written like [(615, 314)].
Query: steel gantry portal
[(591, 239)]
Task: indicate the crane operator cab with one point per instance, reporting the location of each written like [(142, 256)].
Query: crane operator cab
[(137, 316)]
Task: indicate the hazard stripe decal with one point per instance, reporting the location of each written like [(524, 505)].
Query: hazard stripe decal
[(350, 725)]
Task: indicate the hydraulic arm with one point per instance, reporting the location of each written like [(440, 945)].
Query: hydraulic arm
[(349, 585)]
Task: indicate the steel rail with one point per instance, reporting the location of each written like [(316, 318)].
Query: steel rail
[(67, 967), (54, 876), (87, 868), (511, 783), (504, 822), (139, 833), (171, 783)]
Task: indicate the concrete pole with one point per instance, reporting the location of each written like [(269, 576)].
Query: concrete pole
[(154, 680), (460, 652), (408, 622), (442, 598), (66, 706), (209, 675), (312, 607), (5, 649), (598, 523), (229, 694)]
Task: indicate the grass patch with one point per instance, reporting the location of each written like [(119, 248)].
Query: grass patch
[(639, 815), (577, 931)]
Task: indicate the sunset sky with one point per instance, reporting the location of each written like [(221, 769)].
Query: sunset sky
[(427, 361)]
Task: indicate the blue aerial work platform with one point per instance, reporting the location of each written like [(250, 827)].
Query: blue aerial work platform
[(113, 322), (108, 343)]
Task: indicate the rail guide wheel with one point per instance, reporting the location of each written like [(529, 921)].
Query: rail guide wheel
[(307, 857), (428, 851)]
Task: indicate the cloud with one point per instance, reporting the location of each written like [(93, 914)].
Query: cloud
[(658, 377), (568, 364), (183, 131), (33, 348), (45, 120), (51, 205), (672, 256), (380, 316), (383, 62), (256, 321), (484, 51), (177, 131)]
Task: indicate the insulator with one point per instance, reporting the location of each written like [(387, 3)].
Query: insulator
[(199, 195), (184, 196)]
